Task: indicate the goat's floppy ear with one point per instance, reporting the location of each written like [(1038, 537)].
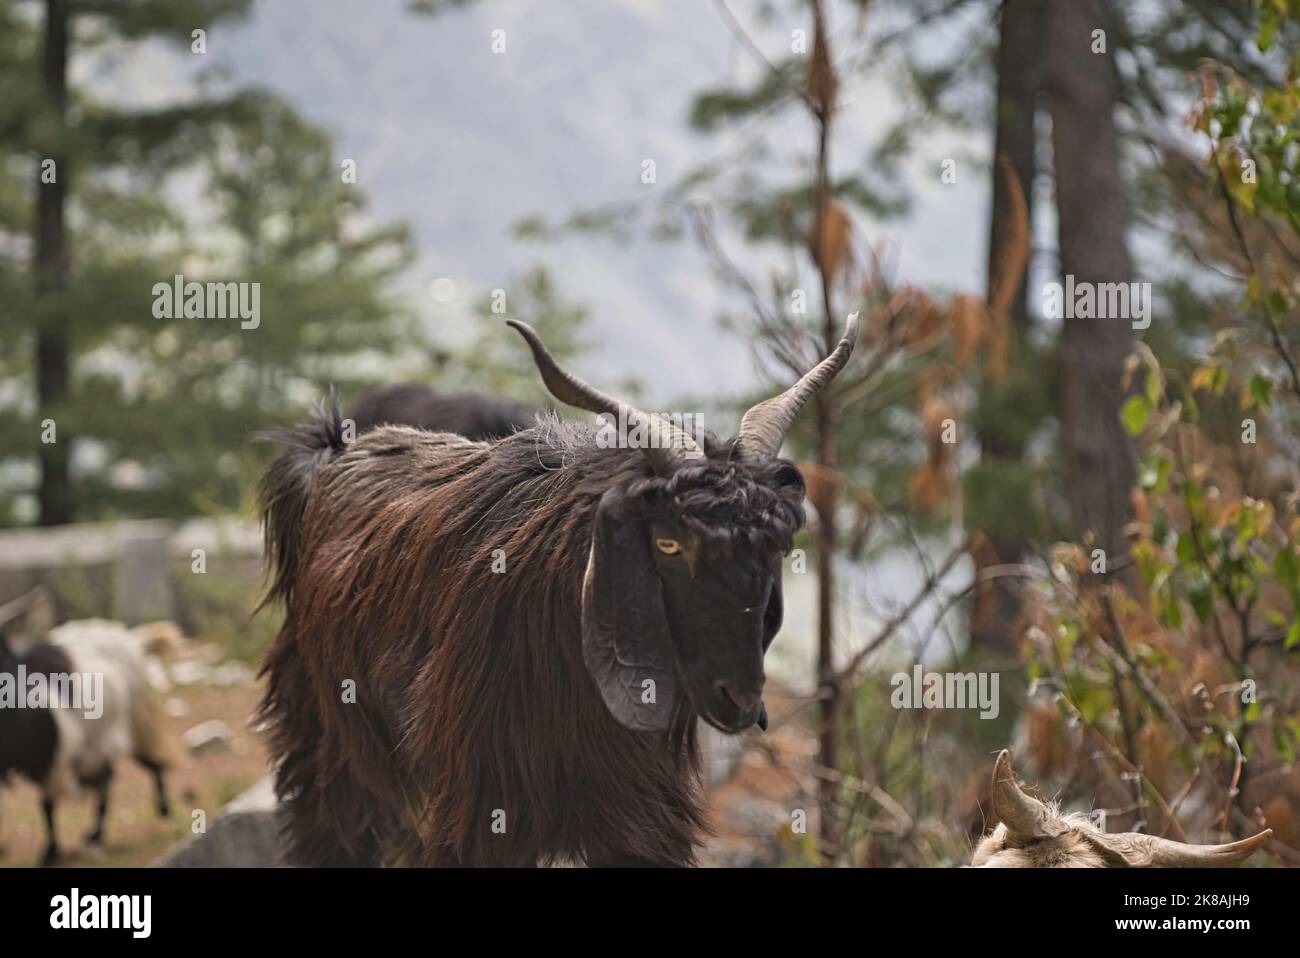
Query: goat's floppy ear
[(625, 639)]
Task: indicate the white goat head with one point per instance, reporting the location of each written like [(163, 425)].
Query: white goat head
[(1034, 834)]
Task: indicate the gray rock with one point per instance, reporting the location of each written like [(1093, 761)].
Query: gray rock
[(757, 816), (209, 737), (231, 673), (188, 672), (724, 855), (245, 835)]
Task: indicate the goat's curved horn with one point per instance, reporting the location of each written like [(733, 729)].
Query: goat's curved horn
[(1025, 816), (1138, 850), (571, 390), (763, 428)]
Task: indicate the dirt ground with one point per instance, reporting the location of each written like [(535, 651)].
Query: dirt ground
[(134, 834)]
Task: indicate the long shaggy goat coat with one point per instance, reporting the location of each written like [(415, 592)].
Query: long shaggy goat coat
[(426, 709)]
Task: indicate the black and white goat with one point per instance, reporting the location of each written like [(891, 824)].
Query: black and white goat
[(71, 706)]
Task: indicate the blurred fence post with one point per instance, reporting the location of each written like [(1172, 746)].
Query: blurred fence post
[(142, 588)]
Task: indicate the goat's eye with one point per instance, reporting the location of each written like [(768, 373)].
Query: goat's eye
[(669, 547)]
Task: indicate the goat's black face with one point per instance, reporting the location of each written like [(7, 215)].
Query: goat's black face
[(723, 611), (683, 591)]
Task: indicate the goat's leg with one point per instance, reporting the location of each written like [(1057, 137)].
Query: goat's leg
[(159, 785), (100, 784), (52, 855)]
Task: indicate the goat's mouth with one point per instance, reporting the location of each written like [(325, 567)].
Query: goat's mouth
[(729, 717)]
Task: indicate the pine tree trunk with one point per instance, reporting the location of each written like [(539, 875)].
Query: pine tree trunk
[(53, 360), (1020, 66), (1020, 79), (1099, 460)]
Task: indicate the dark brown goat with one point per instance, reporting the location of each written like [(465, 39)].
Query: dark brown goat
[(428, 704), (472, 415)]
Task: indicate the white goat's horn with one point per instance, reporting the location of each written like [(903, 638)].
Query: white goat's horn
[(1025, 816), (1138, 850)]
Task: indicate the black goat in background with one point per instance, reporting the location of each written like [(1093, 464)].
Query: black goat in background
[(469, 414)]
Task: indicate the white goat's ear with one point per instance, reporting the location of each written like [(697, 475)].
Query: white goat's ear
[(1138, 850), (1027, 818)]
